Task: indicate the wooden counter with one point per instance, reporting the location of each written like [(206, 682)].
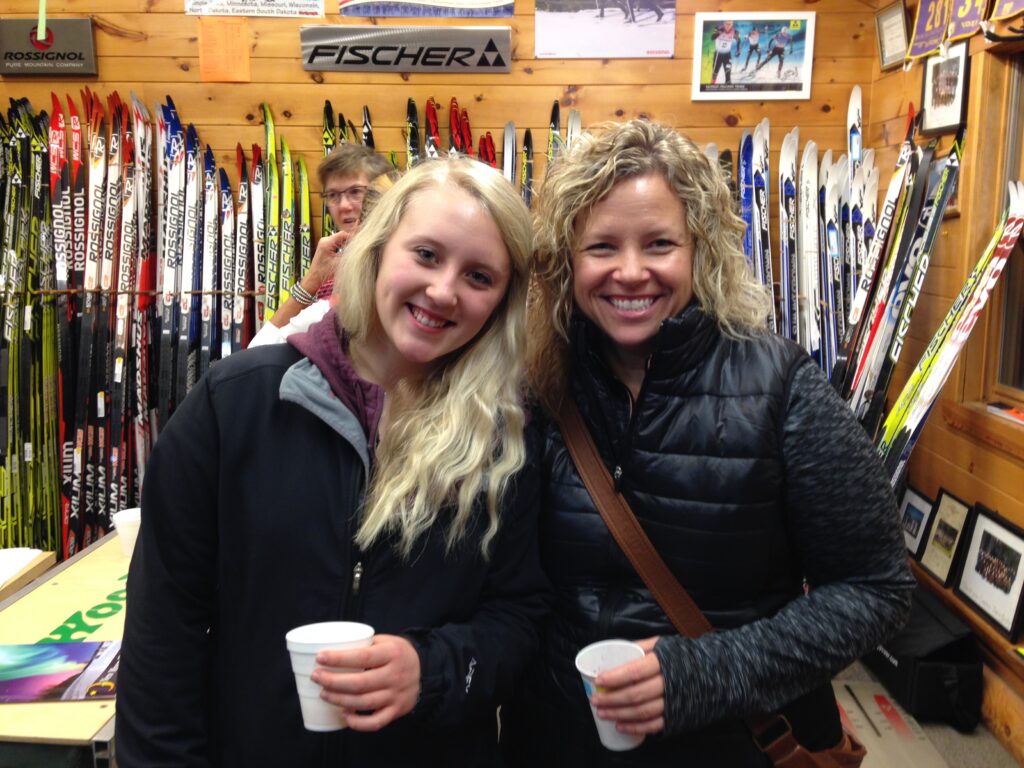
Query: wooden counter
[(35, 568), (82, 599)]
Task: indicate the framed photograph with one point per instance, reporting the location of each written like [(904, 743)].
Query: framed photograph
[(915, 514), (891, 35), (950, 516), (993, 574), (752, 56), (944, 90), (586, 29)]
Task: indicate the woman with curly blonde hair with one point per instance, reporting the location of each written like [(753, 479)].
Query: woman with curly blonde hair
[(371, 469), (747, 473)]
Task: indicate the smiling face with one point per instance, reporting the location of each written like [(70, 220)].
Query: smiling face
[(633, 263), (442, 274)]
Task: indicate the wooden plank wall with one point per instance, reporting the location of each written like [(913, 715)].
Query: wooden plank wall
[(946, 456), (964, 458), (151, 47)]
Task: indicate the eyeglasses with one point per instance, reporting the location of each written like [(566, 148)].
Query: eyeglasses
[(354, 195)]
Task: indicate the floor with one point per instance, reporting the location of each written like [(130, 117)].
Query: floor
[(976, 750)]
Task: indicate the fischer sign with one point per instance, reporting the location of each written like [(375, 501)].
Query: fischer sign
[(406, 49)]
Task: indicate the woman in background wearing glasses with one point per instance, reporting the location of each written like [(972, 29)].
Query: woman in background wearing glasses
[(345, 176)]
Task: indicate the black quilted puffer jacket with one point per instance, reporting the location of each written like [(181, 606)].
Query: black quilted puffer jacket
[(753, 481)]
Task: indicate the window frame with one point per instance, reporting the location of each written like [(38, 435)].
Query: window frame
[(1014, 152)]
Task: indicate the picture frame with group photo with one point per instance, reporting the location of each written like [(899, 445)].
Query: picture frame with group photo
[(915, 514), (992, 578), (951, 517), (944, 90)]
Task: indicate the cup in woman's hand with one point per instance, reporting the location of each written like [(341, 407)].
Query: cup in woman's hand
[(304, 643), (592, 661)]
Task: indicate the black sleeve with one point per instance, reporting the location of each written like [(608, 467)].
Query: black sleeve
[(842, 522), (162, 683), (470, 667)]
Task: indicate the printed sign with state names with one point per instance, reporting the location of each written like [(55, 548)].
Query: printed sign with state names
[(299, 8)]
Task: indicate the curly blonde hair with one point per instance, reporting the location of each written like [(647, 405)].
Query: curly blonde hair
[(455, 435), (723, 283)]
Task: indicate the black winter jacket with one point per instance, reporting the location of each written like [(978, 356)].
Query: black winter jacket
[(750, 476), (248, 521)]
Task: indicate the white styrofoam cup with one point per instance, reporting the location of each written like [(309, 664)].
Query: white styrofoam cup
[(590, 662), (303, 645), (126, 523)]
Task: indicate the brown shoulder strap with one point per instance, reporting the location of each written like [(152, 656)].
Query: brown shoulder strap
[(666, 589)]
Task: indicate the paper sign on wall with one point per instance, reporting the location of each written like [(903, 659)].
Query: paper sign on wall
[(224, 50), (304, 8)]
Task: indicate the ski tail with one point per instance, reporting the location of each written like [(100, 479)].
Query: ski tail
[(508, 152), (526, 174)]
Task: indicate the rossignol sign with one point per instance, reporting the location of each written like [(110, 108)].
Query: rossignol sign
[(406, 49), (66, 49)]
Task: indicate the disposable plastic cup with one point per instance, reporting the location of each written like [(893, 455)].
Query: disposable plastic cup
[(303, 645), (126, 523), (592, 661)]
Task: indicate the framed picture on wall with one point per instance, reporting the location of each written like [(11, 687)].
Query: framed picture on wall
[(992, 578), (915, 514), (752, 56), (891, 35), (949, 520), (944, 90)]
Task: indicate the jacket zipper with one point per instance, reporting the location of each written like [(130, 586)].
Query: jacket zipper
[(351, 597), (357, 577), (627, 440)]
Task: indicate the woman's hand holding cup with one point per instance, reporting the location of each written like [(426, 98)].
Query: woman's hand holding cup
[(386, 689), (633, 694)]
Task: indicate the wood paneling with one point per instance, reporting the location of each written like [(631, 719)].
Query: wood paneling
[(151, 47), (969, 462)]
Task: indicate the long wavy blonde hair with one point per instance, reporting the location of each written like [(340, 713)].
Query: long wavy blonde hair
[(723, 283), (455, 438)]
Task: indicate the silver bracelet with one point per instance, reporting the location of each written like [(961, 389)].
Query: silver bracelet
[(301, 295)]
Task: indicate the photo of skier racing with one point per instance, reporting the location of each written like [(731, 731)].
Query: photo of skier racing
[(752, 55), (607, 29), (726, 39)]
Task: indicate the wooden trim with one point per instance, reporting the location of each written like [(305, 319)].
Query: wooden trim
[(975, 421), (982, 201), (36, 567)]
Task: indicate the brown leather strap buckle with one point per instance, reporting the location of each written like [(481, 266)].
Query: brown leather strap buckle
[(773, 733)]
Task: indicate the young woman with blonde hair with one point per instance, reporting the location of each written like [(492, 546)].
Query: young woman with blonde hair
[(748, 474), (371, 469)]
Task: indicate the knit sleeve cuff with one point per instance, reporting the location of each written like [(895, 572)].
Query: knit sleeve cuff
[(677, 658)]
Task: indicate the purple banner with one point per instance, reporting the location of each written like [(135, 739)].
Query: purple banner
[(966, 17), (929, 28), (1007, 9)]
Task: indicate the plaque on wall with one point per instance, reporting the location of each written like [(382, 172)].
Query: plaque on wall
[(66, 48)]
